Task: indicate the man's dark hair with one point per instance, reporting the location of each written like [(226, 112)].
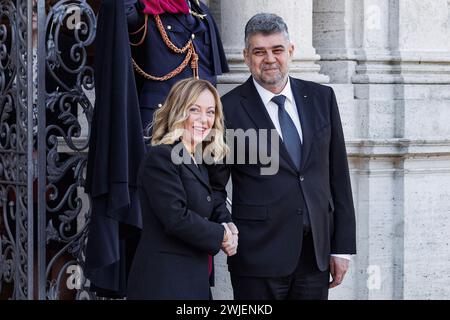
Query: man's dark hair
[(265, 23)]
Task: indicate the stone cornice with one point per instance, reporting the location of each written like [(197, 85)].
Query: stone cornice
[(338, 54), (405, 67), (403, 148)]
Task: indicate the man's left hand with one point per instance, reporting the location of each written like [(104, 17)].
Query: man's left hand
[(338, 268)]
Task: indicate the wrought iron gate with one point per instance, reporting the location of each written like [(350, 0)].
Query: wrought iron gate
[(46, 93)]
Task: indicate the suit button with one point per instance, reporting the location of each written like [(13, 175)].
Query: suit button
[(208, 198), (299, 211), (302, 178), (169, 27), (159, 105), (193, 36)]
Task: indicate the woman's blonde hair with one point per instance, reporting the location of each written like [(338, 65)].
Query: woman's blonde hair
[(168, 121)]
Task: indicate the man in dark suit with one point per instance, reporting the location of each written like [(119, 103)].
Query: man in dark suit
[(297, 226)]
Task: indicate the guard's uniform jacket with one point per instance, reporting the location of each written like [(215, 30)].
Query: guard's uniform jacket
[(153, 56)]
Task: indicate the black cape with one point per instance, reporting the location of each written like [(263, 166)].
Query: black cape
[(116, 148)]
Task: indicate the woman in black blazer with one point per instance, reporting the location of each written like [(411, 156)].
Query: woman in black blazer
[(181, 233)]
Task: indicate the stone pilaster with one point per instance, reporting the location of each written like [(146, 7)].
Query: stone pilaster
[(395, 58)]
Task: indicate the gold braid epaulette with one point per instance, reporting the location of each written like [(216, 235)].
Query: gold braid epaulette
[(188, 48)]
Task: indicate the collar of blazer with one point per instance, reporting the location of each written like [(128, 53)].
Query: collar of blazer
[(198, 170), (255, 109)]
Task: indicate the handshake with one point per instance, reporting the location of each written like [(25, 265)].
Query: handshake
[(230, 239)]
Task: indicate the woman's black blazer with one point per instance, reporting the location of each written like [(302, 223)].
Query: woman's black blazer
[(179, 232)]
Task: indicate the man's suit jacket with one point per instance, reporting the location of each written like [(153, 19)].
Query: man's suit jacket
[(171, 260), (157, 59), (268, 210)]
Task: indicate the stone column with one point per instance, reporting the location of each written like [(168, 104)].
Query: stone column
[(393, 58), (232, 15)]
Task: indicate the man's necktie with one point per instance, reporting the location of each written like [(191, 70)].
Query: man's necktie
[(291, 139), (290, 134)]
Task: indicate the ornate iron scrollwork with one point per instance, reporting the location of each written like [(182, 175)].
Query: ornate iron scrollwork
[(15, 224), (70, 29), (62, 118)]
